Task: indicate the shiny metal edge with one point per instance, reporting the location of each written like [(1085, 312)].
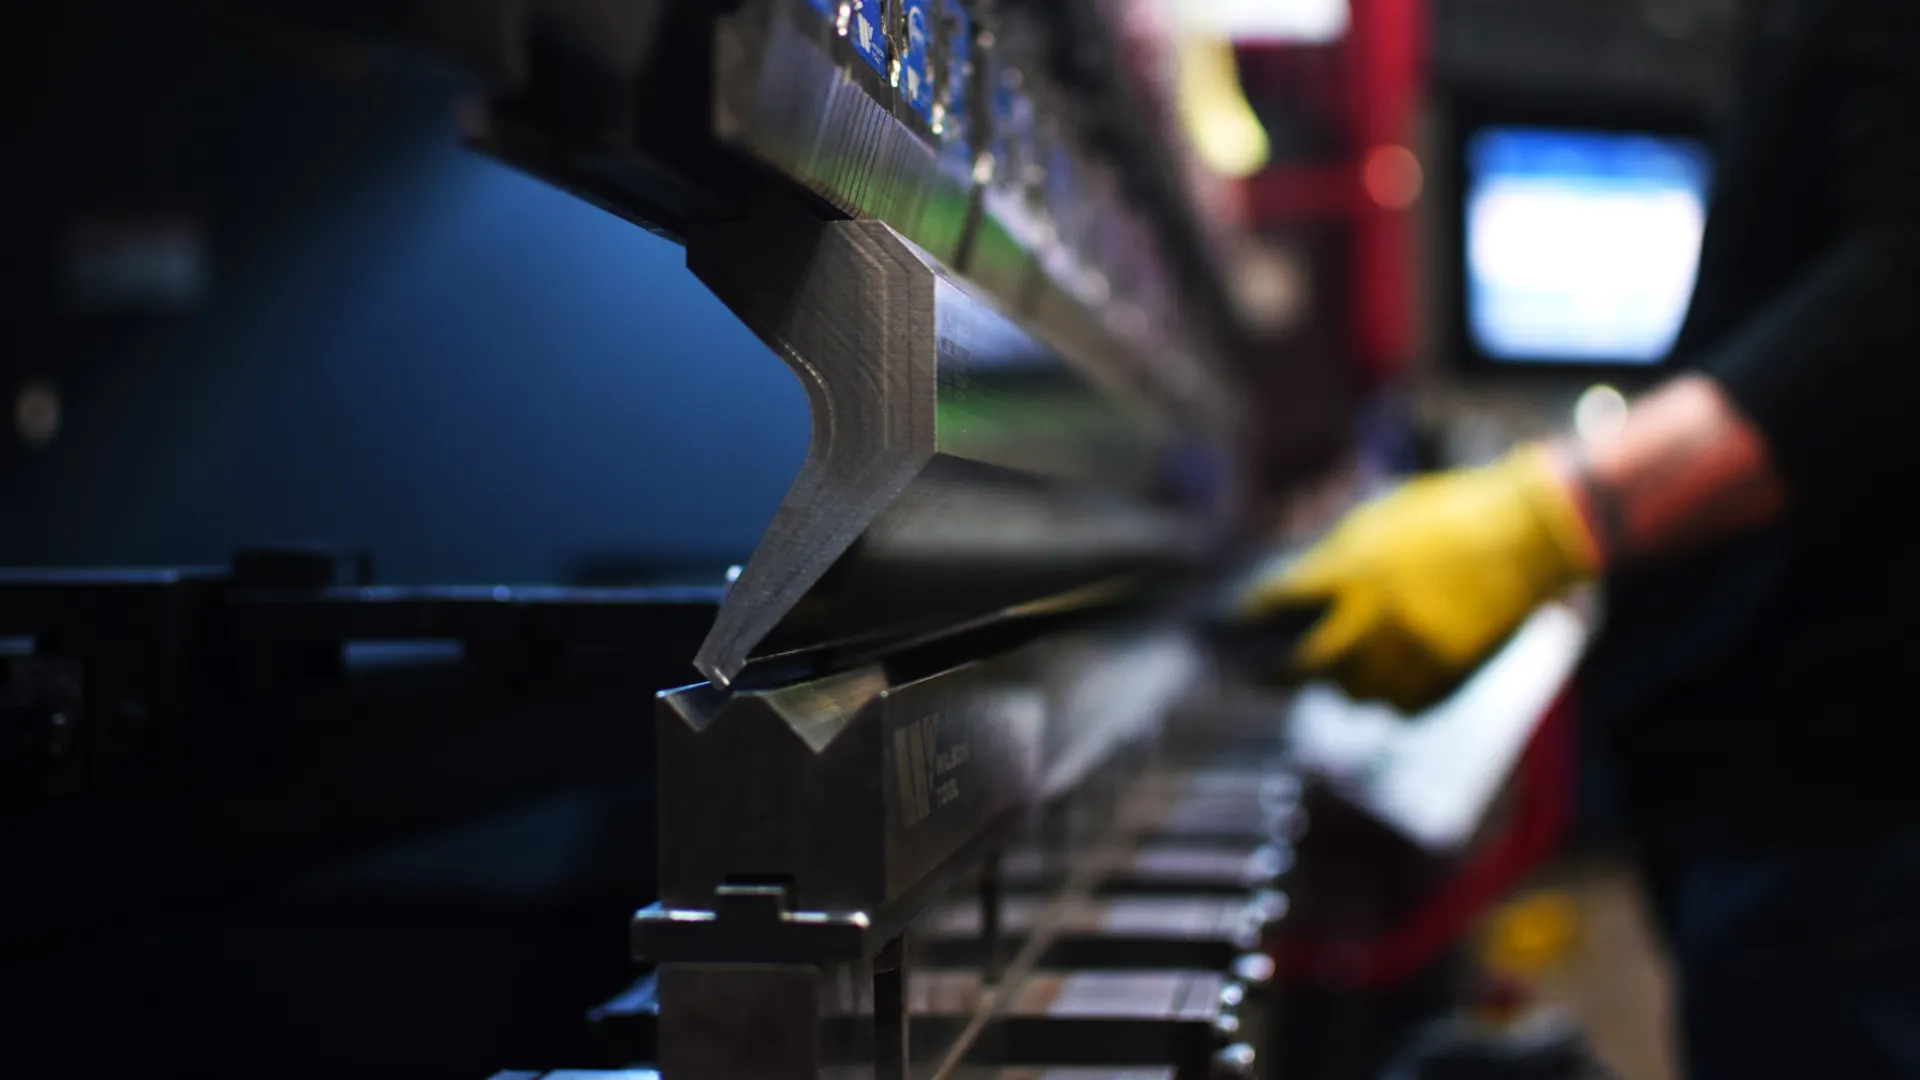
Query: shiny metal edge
[(958, 467), (916, 777), (1041, 236), (851, 314), (793, 96)]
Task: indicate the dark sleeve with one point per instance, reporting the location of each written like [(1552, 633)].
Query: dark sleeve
[(1828, 368)]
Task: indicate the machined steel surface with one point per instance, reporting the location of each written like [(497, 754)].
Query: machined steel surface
[(943, 119), (1164, 869), (799, 936), (1197, 932), (857, 794), (1111, 1018), (796, 92), (780, 1021), (1108, 691), (959, 469)]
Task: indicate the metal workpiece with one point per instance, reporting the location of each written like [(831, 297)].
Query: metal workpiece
[(958, 467), (859, 798), (1108, 691)]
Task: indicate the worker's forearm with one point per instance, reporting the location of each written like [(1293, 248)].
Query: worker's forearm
[(1686, 469)]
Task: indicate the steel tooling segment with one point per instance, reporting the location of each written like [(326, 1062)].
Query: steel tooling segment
[(860, 796), (781, 96), (854, 323), (1107, 690), (963, 756), (789, 92), (957, 467), (1004, 399)]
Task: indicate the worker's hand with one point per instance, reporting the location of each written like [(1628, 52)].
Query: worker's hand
[(1424, 583)]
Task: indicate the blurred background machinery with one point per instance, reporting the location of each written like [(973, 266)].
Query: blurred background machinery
[(680, 535)]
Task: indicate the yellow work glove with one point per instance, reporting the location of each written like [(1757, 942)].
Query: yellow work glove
[(1422, 584)]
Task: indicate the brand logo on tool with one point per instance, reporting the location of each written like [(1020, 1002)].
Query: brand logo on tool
[(923, 769)]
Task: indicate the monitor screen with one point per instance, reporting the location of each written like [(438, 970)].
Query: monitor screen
[(1581, 245)]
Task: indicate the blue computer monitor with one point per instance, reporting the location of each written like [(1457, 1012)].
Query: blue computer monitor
[(1581, 246)]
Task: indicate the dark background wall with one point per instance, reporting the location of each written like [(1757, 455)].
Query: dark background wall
[(400, 346)]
